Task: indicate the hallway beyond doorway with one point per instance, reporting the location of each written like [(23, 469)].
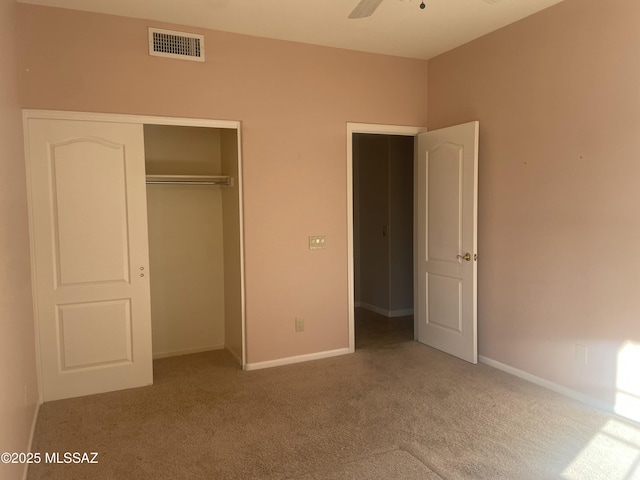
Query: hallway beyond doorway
[(375, 331)]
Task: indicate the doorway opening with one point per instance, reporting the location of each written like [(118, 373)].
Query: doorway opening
[(381, 238), (445, 235)]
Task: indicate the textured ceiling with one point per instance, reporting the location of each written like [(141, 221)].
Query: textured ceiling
[(398, 27)]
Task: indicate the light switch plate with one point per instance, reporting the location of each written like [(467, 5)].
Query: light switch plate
[(317, 242)]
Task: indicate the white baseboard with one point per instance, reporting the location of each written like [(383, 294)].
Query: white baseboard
[(25, 474), (296, 359), (186, 351), (382, 311), (567, 392), (401, 313)]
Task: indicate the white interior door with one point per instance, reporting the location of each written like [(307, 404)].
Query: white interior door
[(446, 246), (90, 251)]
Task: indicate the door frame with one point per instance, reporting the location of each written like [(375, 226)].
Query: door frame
[(28, 114), (380, 129)]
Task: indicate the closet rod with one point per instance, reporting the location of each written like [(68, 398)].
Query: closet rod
[(190, 180)]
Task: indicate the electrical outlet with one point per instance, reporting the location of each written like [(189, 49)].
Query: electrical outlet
[(581, 354), (299, 324)]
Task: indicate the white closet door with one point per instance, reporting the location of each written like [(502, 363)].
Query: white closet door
[(90, 252)]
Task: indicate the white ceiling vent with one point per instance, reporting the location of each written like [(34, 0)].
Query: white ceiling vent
[(167, 43)]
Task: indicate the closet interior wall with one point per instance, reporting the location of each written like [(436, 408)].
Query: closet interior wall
[(194, 242)]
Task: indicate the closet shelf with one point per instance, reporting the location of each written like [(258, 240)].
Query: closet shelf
[(222, 180)]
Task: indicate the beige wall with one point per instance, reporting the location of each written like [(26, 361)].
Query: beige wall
[(293, 100), (558, 100), (175, 150), (187, 269), (18, 389)]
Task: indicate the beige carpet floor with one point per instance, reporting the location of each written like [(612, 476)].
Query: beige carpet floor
[(393, 410)]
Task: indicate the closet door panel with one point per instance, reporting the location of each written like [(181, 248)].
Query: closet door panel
[(90, 212), (90, 251)]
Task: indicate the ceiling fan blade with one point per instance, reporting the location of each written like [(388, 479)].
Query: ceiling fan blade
[(365, 8)]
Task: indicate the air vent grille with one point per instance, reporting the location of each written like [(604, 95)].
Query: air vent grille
[(167, 43)]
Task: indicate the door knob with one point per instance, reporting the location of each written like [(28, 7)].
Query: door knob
[(466, 256)]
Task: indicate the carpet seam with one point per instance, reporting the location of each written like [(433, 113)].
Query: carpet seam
[(407, 448)]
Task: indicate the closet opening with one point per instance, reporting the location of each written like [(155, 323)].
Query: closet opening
[(194, 231)]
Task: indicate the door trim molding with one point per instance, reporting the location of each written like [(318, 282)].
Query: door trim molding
[(30, 114), (352, 127), (126, 118)]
